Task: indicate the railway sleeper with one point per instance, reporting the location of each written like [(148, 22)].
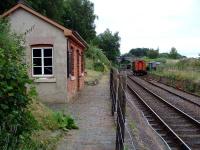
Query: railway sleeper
[(162, 132), (177, 121), (159, 129), (195, 147), (170, 141), (187, 131), (194, 143), (173, 117), (148, 115), (151, 121), (157, 126), (181, 126)]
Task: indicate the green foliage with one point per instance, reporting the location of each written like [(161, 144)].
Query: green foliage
[(16, 123), (152, 53), (109, 43), (173, 53), (97, 58), (164, 55), (162, 60), (64, 122), (51, 8), (79, 15), (51, 126), (6, 4), (99, 67), (187, 71), (141, 52)]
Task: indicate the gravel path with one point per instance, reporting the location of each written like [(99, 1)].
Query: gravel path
[(92, 112)]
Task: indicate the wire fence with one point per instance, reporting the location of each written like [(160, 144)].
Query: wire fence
[(118, 96)]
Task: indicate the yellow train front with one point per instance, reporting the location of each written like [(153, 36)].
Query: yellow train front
[(139, 67)]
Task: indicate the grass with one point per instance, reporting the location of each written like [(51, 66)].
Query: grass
[(93, 75), (180, 70), (51, 127), (186, 71)]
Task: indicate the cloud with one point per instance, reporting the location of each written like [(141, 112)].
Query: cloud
[(152, 23)]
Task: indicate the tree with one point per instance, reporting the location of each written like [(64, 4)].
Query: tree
[(139, 52), (51, 8), (109, 43), (173, 53), (164, 55), (6, 4), (152, 53), (79, 15)]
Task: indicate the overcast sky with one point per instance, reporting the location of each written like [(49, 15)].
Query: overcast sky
[(152, 23)]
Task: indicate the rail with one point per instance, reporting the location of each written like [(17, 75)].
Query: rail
[(182, 97), (182, 144), (177, 109)]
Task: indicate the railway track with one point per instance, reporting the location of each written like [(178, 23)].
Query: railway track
[(178, 129), (187, 103), (192, 98)]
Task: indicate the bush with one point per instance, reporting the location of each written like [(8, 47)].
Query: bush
[(16, 123), (98, 66), (64, 122), (97, 58)]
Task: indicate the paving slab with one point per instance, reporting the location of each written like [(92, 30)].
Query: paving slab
[(92, 112)]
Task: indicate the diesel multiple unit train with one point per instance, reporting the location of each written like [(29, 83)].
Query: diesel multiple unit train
[(140, 67)]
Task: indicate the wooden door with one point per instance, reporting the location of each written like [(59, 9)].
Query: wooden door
[(78, 70)]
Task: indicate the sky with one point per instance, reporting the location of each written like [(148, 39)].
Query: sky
[(152, 24)]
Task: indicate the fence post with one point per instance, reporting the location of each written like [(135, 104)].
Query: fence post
[(121, 109), (111, 81), (114, 82)]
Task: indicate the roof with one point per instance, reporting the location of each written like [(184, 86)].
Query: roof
[(68, 33)]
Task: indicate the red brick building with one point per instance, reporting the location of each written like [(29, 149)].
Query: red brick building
[(54, 53), (75, 68)]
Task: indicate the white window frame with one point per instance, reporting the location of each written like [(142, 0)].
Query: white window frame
[(42, 57)]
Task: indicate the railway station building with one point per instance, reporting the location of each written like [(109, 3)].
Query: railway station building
[(54, 54)]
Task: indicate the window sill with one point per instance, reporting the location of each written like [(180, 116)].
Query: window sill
[(72, 78), (45, 80), (82, 74)]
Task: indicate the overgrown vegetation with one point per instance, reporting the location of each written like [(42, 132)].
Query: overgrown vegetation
[(96, 59), (187, 71), (51, 127), (17, 122), (109, 43)]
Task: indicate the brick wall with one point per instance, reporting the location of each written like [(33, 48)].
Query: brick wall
[(75, 82)]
